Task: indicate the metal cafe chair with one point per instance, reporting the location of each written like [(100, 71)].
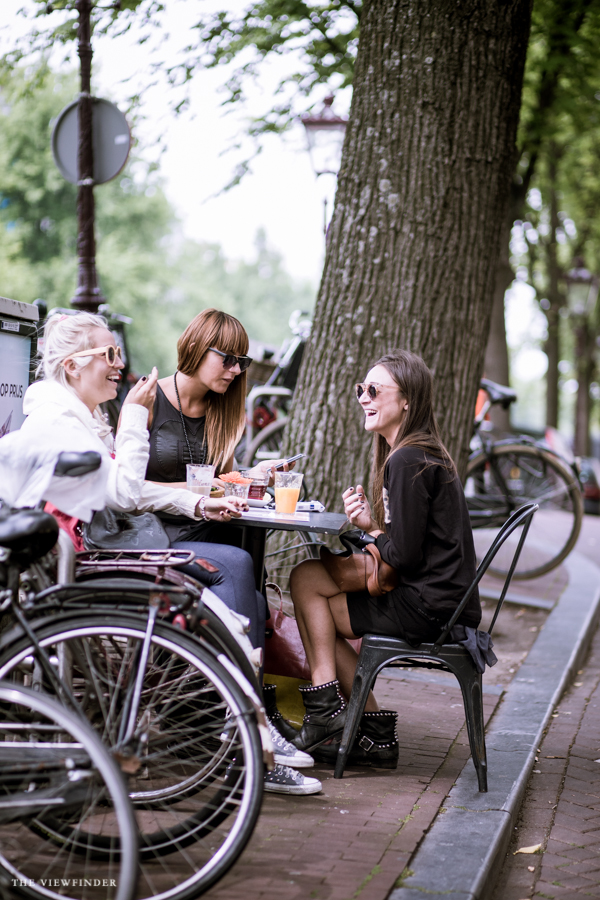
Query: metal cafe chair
[(379, 651)]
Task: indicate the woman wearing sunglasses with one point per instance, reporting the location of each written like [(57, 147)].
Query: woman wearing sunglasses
[(420, 523), (199, 417), (191, 419)]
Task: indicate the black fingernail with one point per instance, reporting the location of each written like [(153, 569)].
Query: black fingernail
[(144, 378)]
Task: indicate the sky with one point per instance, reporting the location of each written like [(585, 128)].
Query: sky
[(281, 194)]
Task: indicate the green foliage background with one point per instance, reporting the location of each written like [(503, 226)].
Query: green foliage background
[(146, 268)]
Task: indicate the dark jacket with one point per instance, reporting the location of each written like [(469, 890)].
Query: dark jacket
[(428, 535)]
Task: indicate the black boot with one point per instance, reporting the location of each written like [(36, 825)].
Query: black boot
[(325, 715), (285, 728), (376, 742)]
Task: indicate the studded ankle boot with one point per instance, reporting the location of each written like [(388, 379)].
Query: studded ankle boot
[(325, 715), (376, 742), (285, 728)]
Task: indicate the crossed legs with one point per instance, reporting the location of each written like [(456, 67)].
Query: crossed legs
[(324, 624)]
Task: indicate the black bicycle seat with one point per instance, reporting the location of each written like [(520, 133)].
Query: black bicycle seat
[(27, 533), (498, 393), (70, 465)]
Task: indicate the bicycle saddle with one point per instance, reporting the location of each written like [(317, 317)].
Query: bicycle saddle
[(72, 465), (28, 533), (498, 393)]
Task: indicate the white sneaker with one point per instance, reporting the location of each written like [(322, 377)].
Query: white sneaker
[(283, 780), (286, 754)]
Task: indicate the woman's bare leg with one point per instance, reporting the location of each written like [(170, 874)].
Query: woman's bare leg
[(324, 623)]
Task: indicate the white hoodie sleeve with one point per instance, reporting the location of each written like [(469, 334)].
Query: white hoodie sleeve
[(127, 470), (127, 489), (176, 501)]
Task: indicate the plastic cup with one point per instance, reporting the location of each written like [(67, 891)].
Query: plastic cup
[(199, 479), (260, 483), (237, 490), (287, 491)]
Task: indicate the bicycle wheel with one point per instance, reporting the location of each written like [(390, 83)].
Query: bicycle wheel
[(285, 549), (195, 773), (55, 770), (510, 476), (267, 443)]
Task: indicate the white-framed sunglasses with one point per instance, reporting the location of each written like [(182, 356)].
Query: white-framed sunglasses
[(111, 353)]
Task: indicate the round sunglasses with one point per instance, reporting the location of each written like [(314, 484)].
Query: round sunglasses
[(111, 353), (372, 388), (230, 360)]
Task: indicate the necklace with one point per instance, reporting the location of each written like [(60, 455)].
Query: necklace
[(185, 434)]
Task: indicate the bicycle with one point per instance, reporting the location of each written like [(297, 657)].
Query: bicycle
[(503, 475), (176, 714), (267, 405), (56, 776)]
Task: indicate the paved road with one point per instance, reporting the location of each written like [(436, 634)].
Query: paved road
[(355, 838), (561, 811), (355, 841)]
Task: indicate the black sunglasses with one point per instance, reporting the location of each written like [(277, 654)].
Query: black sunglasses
[(230, 360)]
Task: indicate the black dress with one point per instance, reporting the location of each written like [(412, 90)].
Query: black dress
[(429, 542), (169, 456), (217, 542)]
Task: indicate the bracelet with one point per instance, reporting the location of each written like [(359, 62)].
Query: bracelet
[(200, 507)]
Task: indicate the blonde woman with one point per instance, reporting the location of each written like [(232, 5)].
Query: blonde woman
[(81, 365)]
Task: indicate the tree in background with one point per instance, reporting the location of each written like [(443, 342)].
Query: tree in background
[(422, 193), (561, 80), (148, 271), (420, 198), (560, 232)]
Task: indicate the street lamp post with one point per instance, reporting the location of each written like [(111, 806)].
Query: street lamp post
[(88, 295), (325, 138), (582, 294)]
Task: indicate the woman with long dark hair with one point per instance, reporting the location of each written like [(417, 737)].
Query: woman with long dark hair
[(199, 417), (420, 521)]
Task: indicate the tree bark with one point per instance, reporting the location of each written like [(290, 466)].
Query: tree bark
[(413, 243), (585, 346), (555, 299), (495, 364)]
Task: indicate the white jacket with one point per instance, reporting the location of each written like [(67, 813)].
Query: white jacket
[(58, 420)]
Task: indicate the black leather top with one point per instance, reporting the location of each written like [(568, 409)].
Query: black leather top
[(168, 449)]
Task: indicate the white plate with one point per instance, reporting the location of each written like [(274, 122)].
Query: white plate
[(264, 502)]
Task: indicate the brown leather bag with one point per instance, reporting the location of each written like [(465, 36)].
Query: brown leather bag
[(360, 569)]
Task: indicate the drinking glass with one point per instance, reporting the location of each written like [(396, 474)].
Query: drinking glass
[(260, 483), (234, 489), (287, 491), (199, 479)]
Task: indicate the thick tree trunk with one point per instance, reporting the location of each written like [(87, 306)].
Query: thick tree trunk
[(422, 195)]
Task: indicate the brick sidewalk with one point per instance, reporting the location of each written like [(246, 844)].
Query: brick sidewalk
[(561, 810), (355, 838)]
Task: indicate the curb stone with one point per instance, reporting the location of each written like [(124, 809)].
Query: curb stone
[(462, 853)]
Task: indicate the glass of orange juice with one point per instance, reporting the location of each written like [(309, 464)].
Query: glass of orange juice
[(287, 491)]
